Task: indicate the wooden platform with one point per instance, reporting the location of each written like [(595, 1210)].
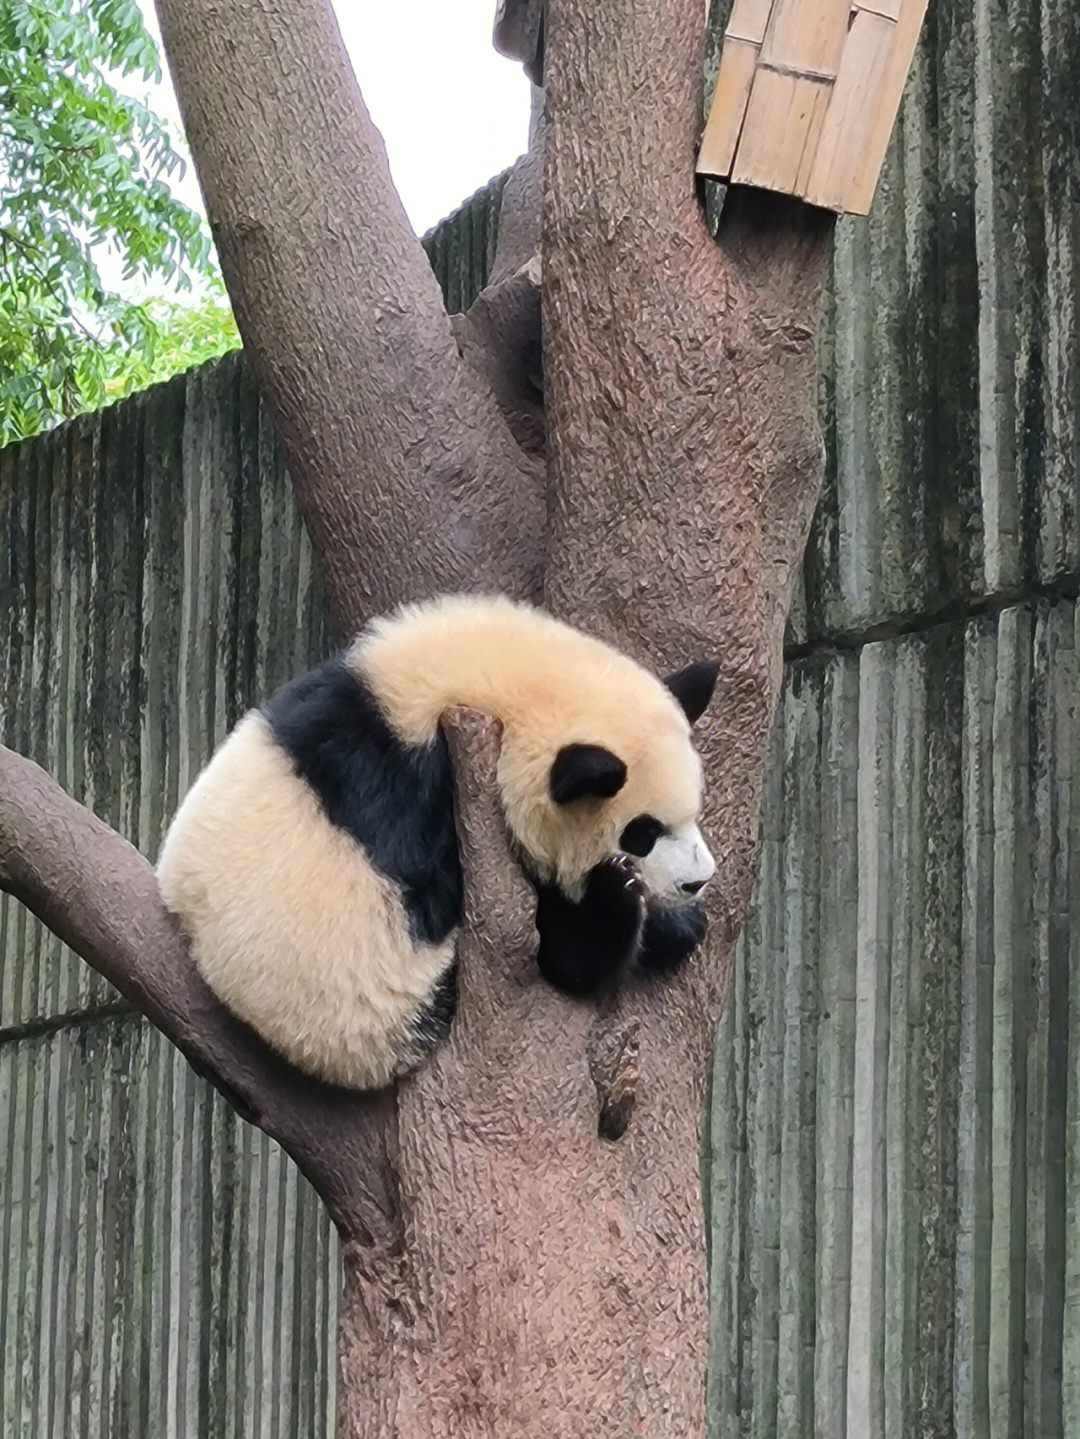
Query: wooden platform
[(807, 95)]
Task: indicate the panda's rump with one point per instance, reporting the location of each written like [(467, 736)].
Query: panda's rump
[(291, 925)]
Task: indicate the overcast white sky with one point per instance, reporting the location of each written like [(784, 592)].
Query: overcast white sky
[(452, 112)]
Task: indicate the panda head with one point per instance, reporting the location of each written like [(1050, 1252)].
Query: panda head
[(609, 769)]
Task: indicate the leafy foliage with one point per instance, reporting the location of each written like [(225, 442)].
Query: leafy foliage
[(175, 337), (84, 170)]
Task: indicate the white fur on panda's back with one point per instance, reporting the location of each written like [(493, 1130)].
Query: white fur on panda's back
[(290, 925)]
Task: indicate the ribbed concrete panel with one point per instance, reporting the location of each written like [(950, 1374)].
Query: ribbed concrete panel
[(461, 248), (893, 1124), (157, 581), (167, 1272), (950, 377)]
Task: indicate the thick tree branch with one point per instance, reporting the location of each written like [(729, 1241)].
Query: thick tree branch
[(684, 466), (100, 896), (501, 334), (518, 26), (500, 337), (680, 385), (409, 479)]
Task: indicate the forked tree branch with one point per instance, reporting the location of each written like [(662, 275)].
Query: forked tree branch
[(679, 394), (408, 476)]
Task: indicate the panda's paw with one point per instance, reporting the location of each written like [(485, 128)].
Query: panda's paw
[(588, 944), (616, 896), (613, 878)]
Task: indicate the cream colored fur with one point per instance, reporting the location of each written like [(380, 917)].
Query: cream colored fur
[(289, 924), (548, 685)]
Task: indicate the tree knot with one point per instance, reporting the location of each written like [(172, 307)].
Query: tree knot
[(613, 1054)]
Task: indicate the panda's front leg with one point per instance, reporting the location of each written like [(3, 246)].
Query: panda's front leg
[(590, 943)]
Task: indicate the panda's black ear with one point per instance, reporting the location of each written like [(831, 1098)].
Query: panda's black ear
[(693, 687), (586, 771)]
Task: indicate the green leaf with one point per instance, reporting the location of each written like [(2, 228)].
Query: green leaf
[(85, 167)]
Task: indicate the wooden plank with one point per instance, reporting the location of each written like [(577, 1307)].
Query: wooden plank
[(777, 119), (784, 117), (808, 39), (811, 140), (866, 98), (728, 110), (889, 8), (887, 106), (838, 164), (749, 19)]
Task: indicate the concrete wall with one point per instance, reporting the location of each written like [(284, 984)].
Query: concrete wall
[(163, 1268)]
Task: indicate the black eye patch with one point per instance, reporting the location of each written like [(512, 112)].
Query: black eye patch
[(640, 835)]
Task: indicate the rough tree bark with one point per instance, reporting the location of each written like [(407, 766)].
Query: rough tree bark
[(507, 1270)]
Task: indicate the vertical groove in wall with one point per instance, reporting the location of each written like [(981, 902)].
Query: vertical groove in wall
[(1055, 117), (838, 683), (801, 881), (764, 1001), (865, 1372), (1065, 879), (1054, 742)]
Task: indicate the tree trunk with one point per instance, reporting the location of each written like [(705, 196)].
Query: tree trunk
[(522, 1221)]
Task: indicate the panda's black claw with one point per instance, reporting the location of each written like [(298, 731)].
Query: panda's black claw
[(615, 906)]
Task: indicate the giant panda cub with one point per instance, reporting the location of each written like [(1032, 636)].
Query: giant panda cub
[(314, 863)]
